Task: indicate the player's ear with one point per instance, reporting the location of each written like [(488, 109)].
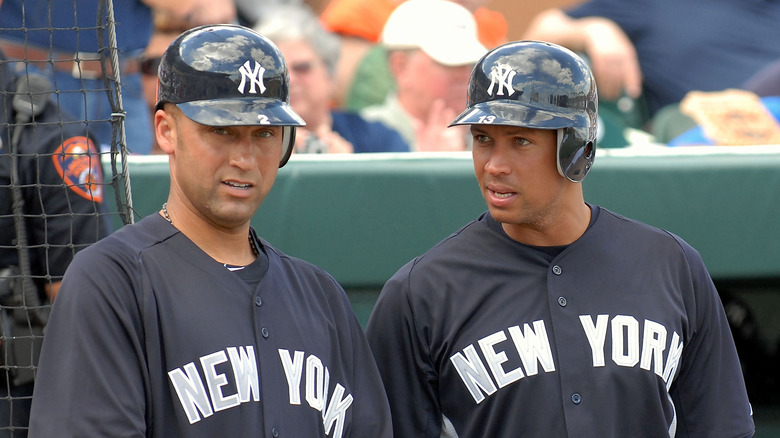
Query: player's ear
[(165, 130)]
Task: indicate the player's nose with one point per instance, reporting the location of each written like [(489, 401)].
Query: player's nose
[(498, 161)]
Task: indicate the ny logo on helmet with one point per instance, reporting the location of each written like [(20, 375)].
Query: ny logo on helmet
[(501, 76), (254, 75)]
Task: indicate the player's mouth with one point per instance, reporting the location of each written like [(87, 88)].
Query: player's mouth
[(238, 186), (500, 196)]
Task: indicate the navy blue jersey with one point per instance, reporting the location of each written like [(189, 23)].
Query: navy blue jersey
[(619, 334), (149, 336)]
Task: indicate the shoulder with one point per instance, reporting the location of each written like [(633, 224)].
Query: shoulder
[(611, 222), (455, 255), (127, 243), (300, 271), (110, 271), (477, 238), (630, 239)]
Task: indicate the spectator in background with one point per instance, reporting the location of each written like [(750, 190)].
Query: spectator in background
[(49, 210), (432, 46), (660, 50), (64, 31), (312, 54), (359, 23), (167, 27)]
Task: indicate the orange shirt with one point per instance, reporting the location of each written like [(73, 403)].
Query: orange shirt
[(366, 18), (491, 27), (361, 18)]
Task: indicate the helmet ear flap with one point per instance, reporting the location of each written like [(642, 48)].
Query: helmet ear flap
[(288, 143), (576, 152)]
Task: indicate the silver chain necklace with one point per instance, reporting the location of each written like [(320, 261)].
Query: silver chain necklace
[(165, 213)]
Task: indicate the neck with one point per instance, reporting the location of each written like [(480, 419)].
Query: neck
[(225, 245), (556, 229)]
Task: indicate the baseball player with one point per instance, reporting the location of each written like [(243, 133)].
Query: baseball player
[(548, 316), (186, 324)]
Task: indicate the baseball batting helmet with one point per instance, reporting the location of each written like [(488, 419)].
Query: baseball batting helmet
[(228, 75), (541, 85)]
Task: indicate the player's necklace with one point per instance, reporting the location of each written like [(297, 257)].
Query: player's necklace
[(253, 245), (165, 213), (168, 218)]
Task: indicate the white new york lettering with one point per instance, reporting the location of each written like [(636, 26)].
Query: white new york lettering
[(495, 359), (334, 411), (501, 76), (473, 373), (216, 381), (337, 412), (625, 353), (245, 369), (254, 75), (672, 359), (653, 346), (596, 336), (317, 380), (293, 370), (533, 347), (191, 392)]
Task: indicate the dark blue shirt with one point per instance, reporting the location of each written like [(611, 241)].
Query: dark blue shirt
[(686, 45), (50, 23), (367, 136)]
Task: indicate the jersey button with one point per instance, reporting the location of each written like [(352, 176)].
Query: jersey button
[(275, 432), (265, 332), (258, 301), (557, 270), (562, 301), (576, 398)]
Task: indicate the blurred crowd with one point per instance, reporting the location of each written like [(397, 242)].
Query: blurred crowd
[(389, 75)]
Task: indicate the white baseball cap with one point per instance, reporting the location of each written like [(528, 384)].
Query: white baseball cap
[(444, 30)]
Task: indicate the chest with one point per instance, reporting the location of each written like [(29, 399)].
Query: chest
[(219, 352)]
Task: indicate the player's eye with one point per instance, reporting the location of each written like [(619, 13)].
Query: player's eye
[(481, 138)]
